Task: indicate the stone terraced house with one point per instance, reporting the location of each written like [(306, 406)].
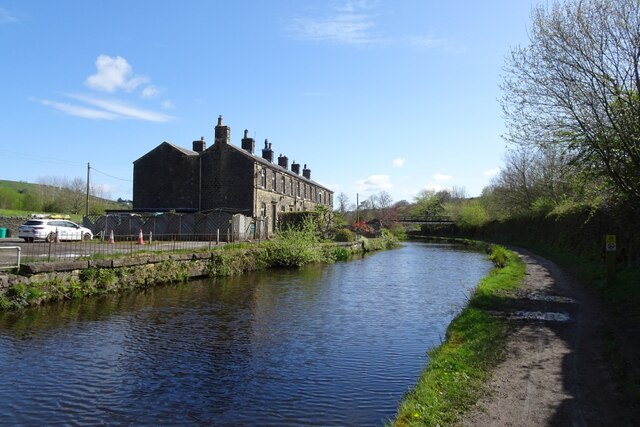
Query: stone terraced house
[(226, 178)]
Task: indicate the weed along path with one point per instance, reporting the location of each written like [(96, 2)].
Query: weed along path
[(555, 371)]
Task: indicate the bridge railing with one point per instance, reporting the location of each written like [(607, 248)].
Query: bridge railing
[(425, 218)]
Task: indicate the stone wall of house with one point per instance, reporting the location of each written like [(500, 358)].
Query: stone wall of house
[(227, 180), (166, 178)]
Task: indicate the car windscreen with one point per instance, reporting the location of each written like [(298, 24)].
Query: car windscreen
[(33, 223)]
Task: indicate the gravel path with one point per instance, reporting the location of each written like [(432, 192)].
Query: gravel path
[(555, 372)]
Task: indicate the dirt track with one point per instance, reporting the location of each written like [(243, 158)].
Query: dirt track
[(555, 372)]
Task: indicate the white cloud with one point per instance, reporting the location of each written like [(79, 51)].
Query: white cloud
[(75, 110), (435, 187), (113, 74), (167, 104), (124, 110), (374, 183), (150, 92), (348, 24), (398, 163), (428, 41), (7, 17), (440, 177), (492, 172)]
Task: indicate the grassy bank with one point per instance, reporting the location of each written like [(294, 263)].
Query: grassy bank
[(457, 370)]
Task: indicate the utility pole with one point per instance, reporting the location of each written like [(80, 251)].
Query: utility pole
[(87, 204)]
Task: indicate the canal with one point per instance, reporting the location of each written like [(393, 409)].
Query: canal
[(325, 345)]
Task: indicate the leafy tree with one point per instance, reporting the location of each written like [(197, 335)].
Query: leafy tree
[(576, 85), (426, 202)]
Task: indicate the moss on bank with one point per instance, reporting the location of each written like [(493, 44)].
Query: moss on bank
[(454, 378)]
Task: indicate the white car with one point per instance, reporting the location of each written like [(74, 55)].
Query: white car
[(46, 229)]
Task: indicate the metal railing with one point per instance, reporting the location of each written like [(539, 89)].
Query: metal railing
[(118, 245), (7, 260)]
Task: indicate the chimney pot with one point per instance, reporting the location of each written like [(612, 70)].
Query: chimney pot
[(248, 144), (283, 161), (222, 133), (267, 152), (295, 168), (199, 146)]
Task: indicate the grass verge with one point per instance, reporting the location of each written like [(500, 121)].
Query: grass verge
[(474, 344)]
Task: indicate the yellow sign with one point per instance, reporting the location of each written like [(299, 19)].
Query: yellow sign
[(611, 242)]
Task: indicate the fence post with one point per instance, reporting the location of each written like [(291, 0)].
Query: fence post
[(217, 236)]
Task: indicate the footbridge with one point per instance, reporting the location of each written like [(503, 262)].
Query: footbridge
[(426, 219)]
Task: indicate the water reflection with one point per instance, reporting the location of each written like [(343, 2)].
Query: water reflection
[(324, 345)]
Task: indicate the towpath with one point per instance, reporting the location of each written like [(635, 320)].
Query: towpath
[(555, 372)]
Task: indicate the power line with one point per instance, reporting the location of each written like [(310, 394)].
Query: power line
[(111, 176), (38, 158)]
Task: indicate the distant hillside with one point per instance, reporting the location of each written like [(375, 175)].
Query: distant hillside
[(63, 196)]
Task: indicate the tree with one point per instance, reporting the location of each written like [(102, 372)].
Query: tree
[(426, 203), (576, 86), (343, 203)]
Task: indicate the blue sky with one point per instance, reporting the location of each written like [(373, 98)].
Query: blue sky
[(372, 95)]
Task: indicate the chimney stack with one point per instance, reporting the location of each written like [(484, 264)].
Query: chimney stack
[(295, 168), (283, 161), (223, 133), (306, 172), (248, 144), (267, 152), (199, 146)]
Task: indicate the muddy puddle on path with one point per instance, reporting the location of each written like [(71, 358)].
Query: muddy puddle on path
[(549, 298), (540, 316)]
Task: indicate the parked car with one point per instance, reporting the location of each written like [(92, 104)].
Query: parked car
[(46, 229)]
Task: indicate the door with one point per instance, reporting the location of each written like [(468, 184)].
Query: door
[(274, 218)]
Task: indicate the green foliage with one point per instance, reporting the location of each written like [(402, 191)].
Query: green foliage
[(472, 214), (498, 256), (398, 231), (296, 220), (427, 203), (344, 235), (294, 247), (59, 196), (341, 254)]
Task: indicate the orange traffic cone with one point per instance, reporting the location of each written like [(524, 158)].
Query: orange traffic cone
[(140, 238), (111, 240)]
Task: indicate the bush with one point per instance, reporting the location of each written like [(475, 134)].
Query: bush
[(344, 235), (295, 246), (499, 256)]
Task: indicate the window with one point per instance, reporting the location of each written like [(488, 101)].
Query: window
[(273, 180), (298, 192), (305, 191), (291, 186), (283, 180), (263, 210), (263, 178)]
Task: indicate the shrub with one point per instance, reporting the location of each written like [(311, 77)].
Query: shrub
[(499, 256), (344, 235)]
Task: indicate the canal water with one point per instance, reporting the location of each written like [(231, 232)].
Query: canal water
[(325, 345)]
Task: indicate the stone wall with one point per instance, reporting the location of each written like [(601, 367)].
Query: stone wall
[(12, 223)]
